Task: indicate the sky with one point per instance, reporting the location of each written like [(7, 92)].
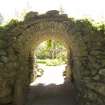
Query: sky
[(94, 9)]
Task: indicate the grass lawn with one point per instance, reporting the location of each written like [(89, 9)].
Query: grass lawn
[(51, 62)]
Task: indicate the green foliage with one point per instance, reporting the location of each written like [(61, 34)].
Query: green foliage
[(13, 23), (84, 26), (49, 44), (42, 61), (51, 53), (51, 62), (42, 51), (102, 28)]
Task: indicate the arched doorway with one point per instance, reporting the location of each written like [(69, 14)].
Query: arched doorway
[(30, 39), (50, 62), (26, 36)]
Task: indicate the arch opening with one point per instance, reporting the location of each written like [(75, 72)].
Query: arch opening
[(50, 63), (30, 39), (45, 32)]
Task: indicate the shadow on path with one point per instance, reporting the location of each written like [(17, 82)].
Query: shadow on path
[(52, 94)]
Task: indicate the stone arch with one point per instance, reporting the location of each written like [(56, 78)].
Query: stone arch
[(31, 36), (19, 42)]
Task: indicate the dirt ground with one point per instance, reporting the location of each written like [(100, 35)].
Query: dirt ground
[(63, 94)]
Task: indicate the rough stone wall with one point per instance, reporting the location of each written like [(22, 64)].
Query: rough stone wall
[(87, 44), (92, 69)]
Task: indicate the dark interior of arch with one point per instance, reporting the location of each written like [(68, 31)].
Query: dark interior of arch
[(85, 45)]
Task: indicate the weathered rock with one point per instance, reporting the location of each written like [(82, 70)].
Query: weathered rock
[(53, 12), (2, 43), (31, 15), (3, 53), (4, 59), (86, 60), (102, 72)]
